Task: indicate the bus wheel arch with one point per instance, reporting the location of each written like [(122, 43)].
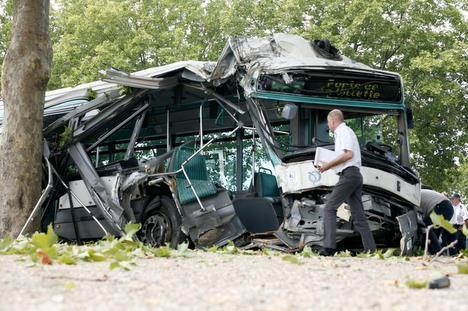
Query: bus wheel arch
[(161, 223)]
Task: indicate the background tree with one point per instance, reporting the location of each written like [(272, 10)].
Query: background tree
[(26, 71), (6, 16), (425, 41)]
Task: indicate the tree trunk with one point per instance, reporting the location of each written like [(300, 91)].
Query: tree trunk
[(26, 71)]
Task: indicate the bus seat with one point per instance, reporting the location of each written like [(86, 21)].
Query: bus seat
[(256, 214), (265, 184), (196, 171), (266, 187)]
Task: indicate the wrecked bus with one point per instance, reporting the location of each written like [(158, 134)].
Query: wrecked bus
[(216, 151)]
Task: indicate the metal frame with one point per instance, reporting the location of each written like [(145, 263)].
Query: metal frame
[(182, 167)]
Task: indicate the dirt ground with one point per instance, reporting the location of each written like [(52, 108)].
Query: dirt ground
[(213, 281)]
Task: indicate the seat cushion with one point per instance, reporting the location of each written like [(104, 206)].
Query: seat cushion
[(195, 168), (204, 188)]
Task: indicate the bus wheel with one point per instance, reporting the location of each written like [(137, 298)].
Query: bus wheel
[(162, 226)]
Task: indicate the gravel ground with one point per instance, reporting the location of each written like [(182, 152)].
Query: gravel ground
[(212, 281)]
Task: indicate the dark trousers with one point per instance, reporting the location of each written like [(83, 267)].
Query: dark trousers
[(349, 190), (445, 237), (460, 238), (445, 209)]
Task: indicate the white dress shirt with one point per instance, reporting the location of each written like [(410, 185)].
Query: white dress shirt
[(460, 214), (345, 139)]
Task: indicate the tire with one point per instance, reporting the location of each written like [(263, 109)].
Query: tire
[(162, 226)]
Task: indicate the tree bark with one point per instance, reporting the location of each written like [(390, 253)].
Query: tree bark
[(26, 71)]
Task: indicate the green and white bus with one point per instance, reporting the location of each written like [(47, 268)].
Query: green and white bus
[(216, 151)]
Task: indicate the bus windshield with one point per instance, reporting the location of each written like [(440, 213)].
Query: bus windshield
[(307, 128)]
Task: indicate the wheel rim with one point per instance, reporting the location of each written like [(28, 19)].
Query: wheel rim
[(156, 230)]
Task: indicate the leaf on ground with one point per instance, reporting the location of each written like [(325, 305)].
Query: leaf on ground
[(40, 240), (70, 285), (95, 256), (378, 254), (230, 248), (43, 257), (182, 248), (162, 251), (131, 229), (307, 252), (292, 259), (390, 252), (416, 284), (44, 240), (125, 265), (5, 243), (66, 259), (345, 253), (213, 249), (462, 267), (363, 255)]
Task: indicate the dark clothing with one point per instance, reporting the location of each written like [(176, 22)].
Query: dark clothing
[(460, 237), (445, 238), (435, 201), (448, 238), (349, 190), (442, 208)]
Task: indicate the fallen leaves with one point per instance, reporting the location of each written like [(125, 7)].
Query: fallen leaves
[(44, 258), (462, 267), (292, 259), (43, 248), (417, 284)]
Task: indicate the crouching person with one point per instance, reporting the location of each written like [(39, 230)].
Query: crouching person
[(432, 201)]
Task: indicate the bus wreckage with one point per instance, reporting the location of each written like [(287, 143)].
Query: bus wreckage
[(212, 152)]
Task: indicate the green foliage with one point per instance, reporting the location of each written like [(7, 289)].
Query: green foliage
[(121, 253), (307, 252), (91, 94), (417, 284), (6, 20), (163, 251), (462, 267), (230, 248), (213, 249), (69, 285), (65, 137), (345, 253), (292, 259), (131, 229), (378, 254), (131, 35)]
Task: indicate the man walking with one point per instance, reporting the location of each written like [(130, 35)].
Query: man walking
[(349, 187)]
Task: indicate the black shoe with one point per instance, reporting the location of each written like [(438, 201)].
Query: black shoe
[(324, 251)]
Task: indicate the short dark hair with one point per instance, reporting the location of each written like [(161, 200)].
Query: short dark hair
[(455, 195)]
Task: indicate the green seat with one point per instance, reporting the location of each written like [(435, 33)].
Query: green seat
[(265, 184), (196, 171)]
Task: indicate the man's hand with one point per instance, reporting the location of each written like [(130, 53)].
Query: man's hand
[(345, 156), (324, 166)]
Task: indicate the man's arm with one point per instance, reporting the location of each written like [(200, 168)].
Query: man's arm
[(345, 156), (465, 215)]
